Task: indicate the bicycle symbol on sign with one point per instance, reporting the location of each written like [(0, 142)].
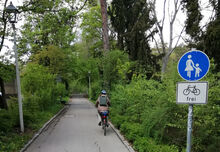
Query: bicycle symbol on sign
[(191, 89)]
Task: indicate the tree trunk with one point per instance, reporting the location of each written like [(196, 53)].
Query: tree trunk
[(104, 24), (4, 26), (218, 9), (165, 60), (3, 103), (120, 42)]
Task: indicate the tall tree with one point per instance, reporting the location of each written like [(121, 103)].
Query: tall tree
[(211, 41), (194, 17), (7, 73), (160, 24), (104, 25), (3, 23), (132, 21), (92, 31), (50, 27), (48, 23), (3, 67)]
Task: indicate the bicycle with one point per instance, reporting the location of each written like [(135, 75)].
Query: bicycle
[(191, 89), (104, 117)]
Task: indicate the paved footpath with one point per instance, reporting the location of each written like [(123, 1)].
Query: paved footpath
[(77, 130)]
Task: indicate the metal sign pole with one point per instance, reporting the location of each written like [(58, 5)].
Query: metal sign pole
[(192, 66), (189, 128)]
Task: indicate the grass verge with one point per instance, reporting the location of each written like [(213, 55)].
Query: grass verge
[(11, 140)]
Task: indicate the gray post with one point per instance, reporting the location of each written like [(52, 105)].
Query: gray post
[(18, 82), (89, 82), (189, 128)]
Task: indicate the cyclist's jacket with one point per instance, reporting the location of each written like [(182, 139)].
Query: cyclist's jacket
[(102, 103)]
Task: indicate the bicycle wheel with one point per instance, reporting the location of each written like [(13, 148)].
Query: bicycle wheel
[(104, 130), (186, 91), (196, 92)]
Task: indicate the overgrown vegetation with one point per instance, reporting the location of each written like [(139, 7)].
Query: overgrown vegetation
[(146, 112), (41, 100), (143, 99), (10, 137)]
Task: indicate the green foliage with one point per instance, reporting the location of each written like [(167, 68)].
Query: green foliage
[(146, 113), (132, 19), (77, 87), (7, 72), (83, 69), (51, 57), (47, 23), (115, 64), (206, 118), (39, 104), (36, 77), (60, 90), (95, 90), (194, 17), (143, 144), (38, 87), (92, 24), (211, 42), (92, 31), (10, 139), (144, 110), (7, 120), (131, 130)]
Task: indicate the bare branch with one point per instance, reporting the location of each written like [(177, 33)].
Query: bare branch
[(176, 9), (164, 11), (81, 7), (177, 42), (160, 26), (155, 42)]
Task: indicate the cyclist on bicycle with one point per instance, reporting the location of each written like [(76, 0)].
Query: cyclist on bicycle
[(102, 103)]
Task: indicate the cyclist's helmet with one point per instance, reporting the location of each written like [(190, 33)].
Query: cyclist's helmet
[(103, 92)]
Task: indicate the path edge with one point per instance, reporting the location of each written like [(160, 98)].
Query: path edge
[(123, 140), (42, 128)]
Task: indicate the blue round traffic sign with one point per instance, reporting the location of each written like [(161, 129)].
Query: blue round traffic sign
[(193, 65)]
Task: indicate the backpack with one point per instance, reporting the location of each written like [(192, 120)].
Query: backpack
[(103, 100)]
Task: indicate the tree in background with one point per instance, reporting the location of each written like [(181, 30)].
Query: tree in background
[(167, 48), (92, 31), (48, 35), (132, 19), (7, 73), (7, 70), (104, 25), (3, 23), (206, 39), (212, 36), (48, 23), (194, 17)]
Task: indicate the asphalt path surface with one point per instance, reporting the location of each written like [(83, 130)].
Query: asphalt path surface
[(77, 130)]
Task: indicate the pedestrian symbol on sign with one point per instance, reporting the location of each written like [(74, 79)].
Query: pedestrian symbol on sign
[(193, 65), (190, 67)]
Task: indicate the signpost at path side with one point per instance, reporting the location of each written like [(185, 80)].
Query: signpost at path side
[(192, 66)]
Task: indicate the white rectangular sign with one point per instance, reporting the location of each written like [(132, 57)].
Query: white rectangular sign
[(192, 92)]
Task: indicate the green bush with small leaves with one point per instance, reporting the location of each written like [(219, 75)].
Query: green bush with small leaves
[(146, 112)]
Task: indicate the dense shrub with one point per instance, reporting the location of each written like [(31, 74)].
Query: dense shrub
[(7, 120), (143, 144), (38, 87), (147, 114), (115, 66)]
